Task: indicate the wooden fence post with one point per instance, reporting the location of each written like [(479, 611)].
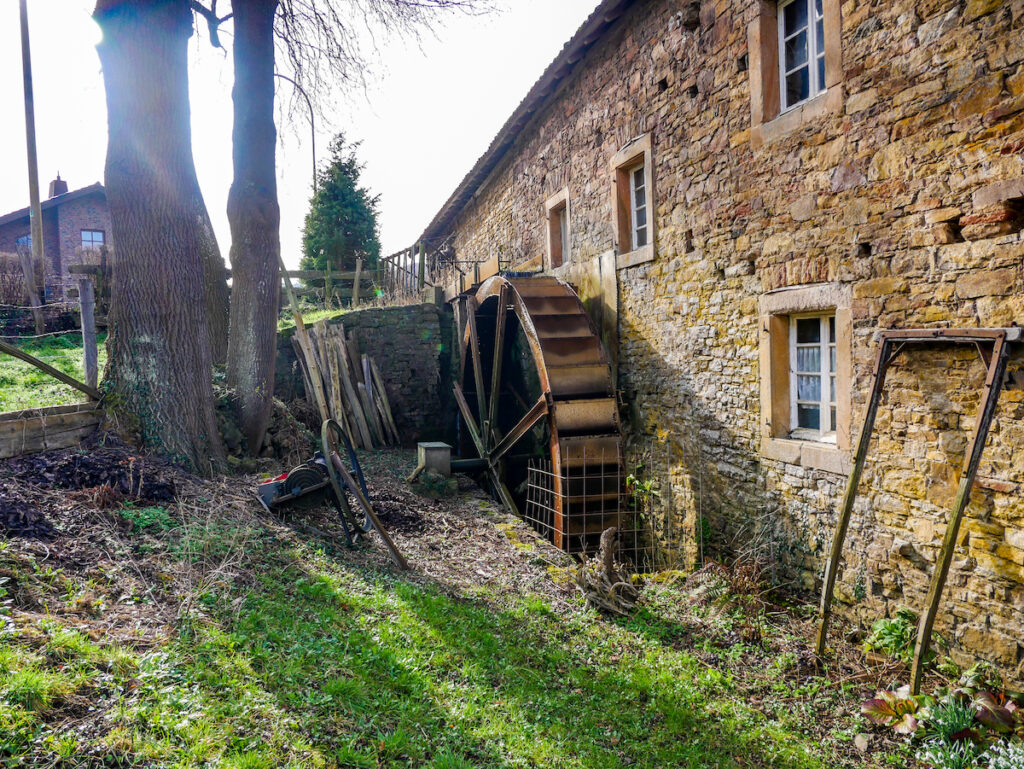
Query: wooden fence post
[(355, 284), (87, 309), (423, 267)]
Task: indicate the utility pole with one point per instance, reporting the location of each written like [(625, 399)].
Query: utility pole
[(35, 212)]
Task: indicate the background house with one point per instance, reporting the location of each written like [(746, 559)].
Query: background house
[(76, 225)]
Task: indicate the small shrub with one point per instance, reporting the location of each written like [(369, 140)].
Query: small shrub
[(641, 492), (896, 636), (152, 517), (897, 709)]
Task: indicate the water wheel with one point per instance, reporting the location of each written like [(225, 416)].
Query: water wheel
[(538, 407)]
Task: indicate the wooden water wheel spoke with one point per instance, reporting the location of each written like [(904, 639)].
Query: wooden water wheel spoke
[(478, 375), (499, 348), (470, 422), (523, 426), (548, 359)]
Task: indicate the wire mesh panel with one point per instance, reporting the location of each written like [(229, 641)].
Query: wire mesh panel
[(572, 506)]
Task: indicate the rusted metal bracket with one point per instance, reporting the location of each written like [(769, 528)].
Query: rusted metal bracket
[(890, 345)]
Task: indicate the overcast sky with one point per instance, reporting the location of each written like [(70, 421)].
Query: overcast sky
[(429, 113)]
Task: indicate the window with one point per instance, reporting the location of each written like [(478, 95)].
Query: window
[(806, 361), (801, 50), (25, 241), (638, 207), (812, 355), (92, 238), (795, 65), (632, 203), (556, 209)]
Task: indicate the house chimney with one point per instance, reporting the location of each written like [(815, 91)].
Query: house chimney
[(58, 186)]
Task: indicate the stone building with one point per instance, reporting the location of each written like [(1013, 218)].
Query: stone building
[(76, 225), (770, 183)]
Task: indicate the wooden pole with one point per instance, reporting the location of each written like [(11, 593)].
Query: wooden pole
[(35, 211), (87, 309), (13, 351), (355, 285), (423, 267), (302, 335), (990, 397), (825, 611)]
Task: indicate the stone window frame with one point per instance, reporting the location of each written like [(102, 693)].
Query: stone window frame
[(624, 161), (775, 310), (552, 206), (768, 121)]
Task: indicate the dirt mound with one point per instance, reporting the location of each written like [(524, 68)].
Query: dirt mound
[(19, 517), (123, 471), (398, 514)]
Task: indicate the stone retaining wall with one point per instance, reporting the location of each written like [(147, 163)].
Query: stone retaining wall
[(412, 347)]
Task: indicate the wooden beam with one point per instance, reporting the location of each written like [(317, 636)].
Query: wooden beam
[(842, 524), (523, 426), (87, 311), (302, 335), (990, 397), (499, 344), (13, 351), (474, 350)]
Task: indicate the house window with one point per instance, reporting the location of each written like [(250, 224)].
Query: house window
[(25, 241), (632, 203), (806, 361), (812, 356), (92, 238), (556, 209), (795, 65), (638, 207), (801, 50)]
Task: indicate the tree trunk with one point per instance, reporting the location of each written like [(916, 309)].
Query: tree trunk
[(214, 281), (160, 368), (254, 216)]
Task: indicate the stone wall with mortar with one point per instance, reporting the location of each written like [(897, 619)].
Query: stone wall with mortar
[(412, 347), (904, 187)]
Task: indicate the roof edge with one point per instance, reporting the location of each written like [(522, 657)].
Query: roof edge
[(564, 64), (56, 200)]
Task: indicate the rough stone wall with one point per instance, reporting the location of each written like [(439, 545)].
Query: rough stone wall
[(900, 192), (412, 347)]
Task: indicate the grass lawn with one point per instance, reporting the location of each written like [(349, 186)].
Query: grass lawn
[(204, 635), (23, 386)]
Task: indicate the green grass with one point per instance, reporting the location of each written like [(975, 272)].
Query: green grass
[(23, 386), (309, 316), (297, 658)]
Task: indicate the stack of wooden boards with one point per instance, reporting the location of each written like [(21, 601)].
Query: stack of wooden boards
[(353, 390)]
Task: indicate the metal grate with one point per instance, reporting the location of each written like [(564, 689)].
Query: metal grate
[(573, 506)]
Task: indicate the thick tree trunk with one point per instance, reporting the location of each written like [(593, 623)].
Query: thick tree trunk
[(254, 216), (159, 368), (214, 282)]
